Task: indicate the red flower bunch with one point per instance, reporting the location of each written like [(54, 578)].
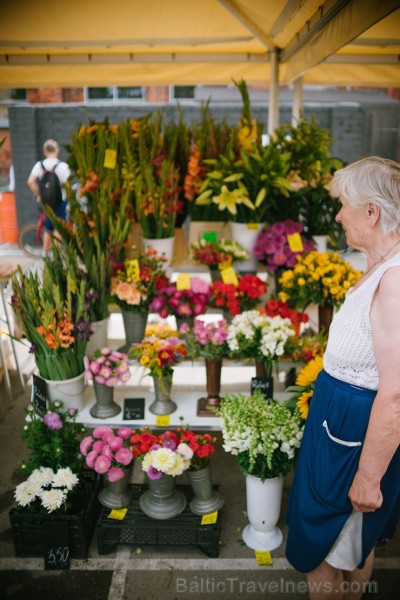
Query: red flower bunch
[(238, 298), (143, 442), (202, 445), (275, 308)]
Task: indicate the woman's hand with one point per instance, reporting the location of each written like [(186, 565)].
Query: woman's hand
[(365, 496)]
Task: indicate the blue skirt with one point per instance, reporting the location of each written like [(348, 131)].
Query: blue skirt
[(327, 463)]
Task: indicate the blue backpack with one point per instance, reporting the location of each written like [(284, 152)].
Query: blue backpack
[(50, 188)]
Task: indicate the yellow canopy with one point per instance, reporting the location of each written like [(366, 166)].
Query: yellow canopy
[(158, 42)]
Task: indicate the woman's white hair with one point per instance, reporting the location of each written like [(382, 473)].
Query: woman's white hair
[(373, 179)]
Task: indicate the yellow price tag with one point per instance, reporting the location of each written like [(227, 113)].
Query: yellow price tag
[(110, 158), (118, 515), (210, 518), (225, 265), (295, 242), (163, 420), (229, 276), (263, 557), (252, 225), (133, 269), (183, 282)]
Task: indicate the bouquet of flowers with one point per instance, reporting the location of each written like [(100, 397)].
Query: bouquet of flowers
[(46, 488), (106, 452), (54, 314), (275, 308), (207, 339), (107, 366), (216, 254), (264, 437), (257, 336), (304, 386), (52, 439), (159, 356), (135, 289), (321, 278), (182, 303), (237, 298), (272, 246), (307, 346), (161, 454), (201, 444)]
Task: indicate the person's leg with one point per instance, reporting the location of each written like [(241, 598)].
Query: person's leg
[(325, 583), (46, 242), (355, 582)]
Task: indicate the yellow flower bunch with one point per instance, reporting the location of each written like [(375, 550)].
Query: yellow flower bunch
[(321, 278), (304, 387)]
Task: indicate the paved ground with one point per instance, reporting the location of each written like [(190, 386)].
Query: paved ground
[(134, 573)]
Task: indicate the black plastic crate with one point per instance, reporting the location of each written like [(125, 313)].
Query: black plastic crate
[(137, 529), (27, 525)]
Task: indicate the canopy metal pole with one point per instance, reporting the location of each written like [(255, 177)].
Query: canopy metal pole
[(297, 107), (273, 110)]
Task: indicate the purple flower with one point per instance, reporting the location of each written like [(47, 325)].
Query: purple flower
[(52, 420), (169, 443), (153, 473), (72, 411)]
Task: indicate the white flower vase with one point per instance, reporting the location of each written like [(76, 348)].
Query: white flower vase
[(263, 510), (69, 391), (246, 234), (162, 245)]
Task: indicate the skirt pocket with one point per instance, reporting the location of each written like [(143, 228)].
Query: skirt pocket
[(336, 464)]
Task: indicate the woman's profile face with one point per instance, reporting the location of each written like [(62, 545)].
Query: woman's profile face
[(352, 221)]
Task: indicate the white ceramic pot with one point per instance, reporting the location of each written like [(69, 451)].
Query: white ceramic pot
[(162, 245), (246, 234)]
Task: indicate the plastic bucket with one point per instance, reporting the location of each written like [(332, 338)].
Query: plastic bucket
[(8, 218), (69, 391)]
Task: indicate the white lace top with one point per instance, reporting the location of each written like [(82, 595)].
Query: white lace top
[(349, 355)]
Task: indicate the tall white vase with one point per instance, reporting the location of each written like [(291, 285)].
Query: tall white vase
[(162, 245), (263, 510), (246, 234), (99, 337)]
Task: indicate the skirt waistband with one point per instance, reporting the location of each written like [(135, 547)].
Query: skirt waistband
[(349, 387)]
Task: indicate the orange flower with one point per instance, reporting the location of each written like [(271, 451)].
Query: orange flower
[(51, 341)]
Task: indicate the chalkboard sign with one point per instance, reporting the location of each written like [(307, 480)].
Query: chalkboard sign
[(56, 545), (39, 395), (133, 409), (265, 384)]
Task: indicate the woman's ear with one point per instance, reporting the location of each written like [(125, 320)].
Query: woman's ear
[(373, 212)]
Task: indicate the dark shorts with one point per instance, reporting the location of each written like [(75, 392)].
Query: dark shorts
[(328, 460), (60, 212)]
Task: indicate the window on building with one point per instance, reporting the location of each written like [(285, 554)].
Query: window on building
[(115, 93), (184, 92), (18, 94)]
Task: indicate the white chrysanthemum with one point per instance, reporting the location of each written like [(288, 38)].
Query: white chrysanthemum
[(65, 478), (25, 493), (41, 477), (179, 466), (185, 451), (163, 459), (147, 462), (53, 499)]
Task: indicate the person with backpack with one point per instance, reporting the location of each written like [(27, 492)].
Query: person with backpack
[(47, 181)]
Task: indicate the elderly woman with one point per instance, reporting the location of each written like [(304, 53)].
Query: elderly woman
[(346, 489)]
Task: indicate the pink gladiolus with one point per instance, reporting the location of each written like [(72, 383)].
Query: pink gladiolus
[(124, 456), (115, 474), (102, 464)]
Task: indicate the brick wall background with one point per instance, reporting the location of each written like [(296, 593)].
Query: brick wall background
[(356, 130)]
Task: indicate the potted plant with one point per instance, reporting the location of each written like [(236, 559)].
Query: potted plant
[(261, 338), (217, 255), (108, 453), (106, 368), (53, 311), (234, 299), (184, 304), (265, 439), (159, 356), (321, 278), (56, 487), (209, 340), (163, 458), (134, 286), (206, 500)]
